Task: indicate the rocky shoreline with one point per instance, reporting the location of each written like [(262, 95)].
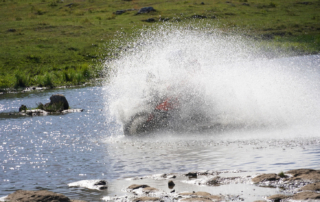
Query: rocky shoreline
[(293, 185)]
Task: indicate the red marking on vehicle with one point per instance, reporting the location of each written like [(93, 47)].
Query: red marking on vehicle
[(165, 105)]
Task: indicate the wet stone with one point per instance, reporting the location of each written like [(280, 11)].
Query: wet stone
[(101, 182), (306, 196), (171, 184), (277, 197), (192, 174), (137, 186), (312, 187), (265, 177), (148, 190), (146, 198), (305, 174)]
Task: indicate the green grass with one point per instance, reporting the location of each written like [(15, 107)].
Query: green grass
[(53, 43)]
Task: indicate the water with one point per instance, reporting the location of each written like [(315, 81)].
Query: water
[(273, 103)]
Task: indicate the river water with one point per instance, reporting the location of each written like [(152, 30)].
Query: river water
[(48, 152), (273, 102)]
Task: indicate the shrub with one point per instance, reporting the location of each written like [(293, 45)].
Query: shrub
[(22, 80)]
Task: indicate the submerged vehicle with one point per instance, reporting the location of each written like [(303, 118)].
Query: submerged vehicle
[(157, 119)]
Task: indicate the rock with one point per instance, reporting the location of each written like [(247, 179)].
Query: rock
[(149, 20), (202, 3), (120, 12), (171, 184), (146, 10), (277, 197), (200, 196), (22, 108), (192, 174), (101, 182), (146, 198), (36, 196), (306, 196), (196, 200), (304, 174), (36, 112), (137, 186), (246, 4), (312, 187), (265, 177), (11, 30), (213, 181), (59, 99), (148, 190)]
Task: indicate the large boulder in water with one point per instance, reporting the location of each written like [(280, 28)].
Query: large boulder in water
[(59, 99), (57, 103)]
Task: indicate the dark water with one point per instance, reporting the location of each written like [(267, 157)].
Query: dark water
[(48, 152)]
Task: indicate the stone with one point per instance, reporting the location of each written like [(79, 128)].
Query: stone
[(36, 196), (101, 182), (149, 20), (57, 99), (192, 174), (196, 200), (171, 184), (312, 187), (22, 108), (137, 186), (265, 177), (148, 190), (213, 181), (146, 198), (11, 30), (277, 197), (146, 10), (120, 12), (306, 196), (304, 174), (201, 195)]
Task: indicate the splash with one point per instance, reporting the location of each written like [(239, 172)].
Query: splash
[(218, 79)]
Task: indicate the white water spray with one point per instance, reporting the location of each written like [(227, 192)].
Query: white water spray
[(224, 78)]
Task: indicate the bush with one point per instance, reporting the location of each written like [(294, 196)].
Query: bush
[(22, 80)]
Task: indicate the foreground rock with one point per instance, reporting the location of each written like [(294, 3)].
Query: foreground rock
[(38, 196)]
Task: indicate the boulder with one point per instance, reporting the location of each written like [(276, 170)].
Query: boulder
[(312, 187), (57, 103), (137, 186), (305, 174), (146, 10), (37, 196), (146, 198), (277, 197), (306, 196), (266, 177), (59, 99)]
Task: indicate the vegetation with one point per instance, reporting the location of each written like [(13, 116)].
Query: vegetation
[(282, 175), (61, 42)]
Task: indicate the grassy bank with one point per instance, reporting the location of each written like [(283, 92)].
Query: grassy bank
[(54, 42)]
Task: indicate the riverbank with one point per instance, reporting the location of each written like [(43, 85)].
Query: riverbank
[(57, 43), (205, 186)]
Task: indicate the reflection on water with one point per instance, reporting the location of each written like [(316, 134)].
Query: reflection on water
[(48, 152)]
